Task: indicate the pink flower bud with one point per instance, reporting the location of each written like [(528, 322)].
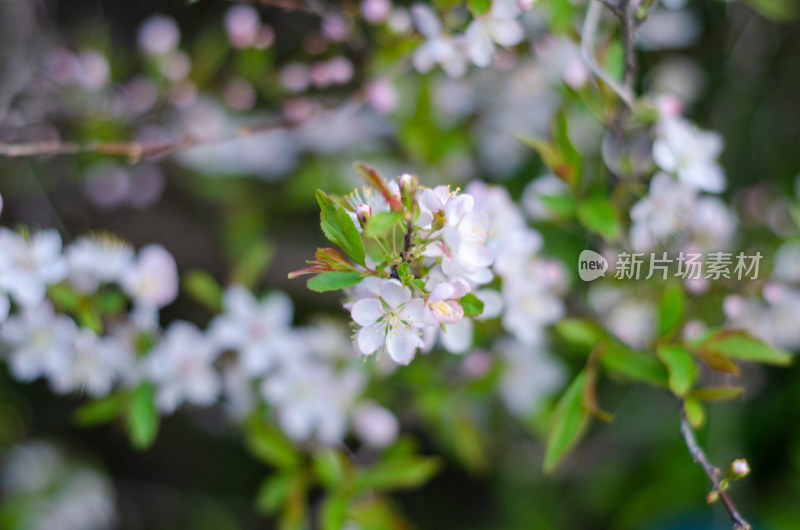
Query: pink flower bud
[(364, 212), (739, 468)]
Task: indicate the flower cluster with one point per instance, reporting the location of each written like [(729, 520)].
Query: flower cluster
[(426, 263)]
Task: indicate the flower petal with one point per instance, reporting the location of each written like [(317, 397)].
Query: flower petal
[(366, 311), (402, 343), (370, 338), (394, 294)]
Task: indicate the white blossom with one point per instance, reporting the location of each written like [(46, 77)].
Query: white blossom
[(313, 400), (96, 260), (153, 280), (391, 321), (41, 342), (28, 267), (260, 331), (689, 153), (182, 368)]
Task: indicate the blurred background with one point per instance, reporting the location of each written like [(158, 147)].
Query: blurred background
[(325, 85)]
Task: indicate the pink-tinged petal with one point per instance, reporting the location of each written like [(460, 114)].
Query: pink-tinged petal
[(370, 338), (451, 268), (475, 256), (427, 20), (447, 312), (460, 288), (434, 250), (481, 276), (492, 303), (394, 294), (457, 207), (366, 311), (474, 227), (479, 44), (412, 312), (402, 343), (505, 32), (663, 156), (443, 291), (457, 338), (430, 201)]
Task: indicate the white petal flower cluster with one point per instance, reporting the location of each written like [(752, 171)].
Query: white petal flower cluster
[(498, 27), (676, 214)]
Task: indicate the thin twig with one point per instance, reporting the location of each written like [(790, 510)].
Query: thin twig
[(136, 151), (713, 473), (590, 25)]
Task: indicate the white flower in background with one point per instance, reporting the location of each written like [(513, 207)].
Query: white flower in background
[(499, 26), (461, 249), (529, 307), (95, 365), (45, 490), (439, 48), (712, 224), (239, 395), (689, 153), (41, 343), (98, 259), (28, 267), (374, 425), (153, 280), (442, 306), (260, 331), (455, 338), (312, 400), (158, 35), (182, 368), (662, 213), (536, 195), (627, 315), (786, 262), (530, 374), (391, 321), (509, 239)]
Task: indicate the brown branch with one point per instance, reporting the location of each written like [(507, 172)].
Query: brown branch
[(287, 5), (713, 473), (136, 151)]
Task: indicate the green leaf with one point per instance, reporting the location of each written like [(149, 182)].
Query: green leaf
[(339, 228), (328, 467), (143, 418), (110, 302), (402, 271), (102, 410), (252, 264), (88, 317), (560, 205), (740, 345), (670, 309), (273, 491), (201, 286), (472, 305), (580, 332), (681, 367), (572, 164), (775, 10), (569, 421), (597, 214), (334, 510), (381, 223), (64, 297), (635, 365), (695, 412), (333, 281), (478, 7), (271, 446), (715, 393), (399, 473)]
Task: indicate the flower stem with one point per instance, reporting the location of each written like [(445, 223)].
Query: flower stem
[(699, 456)]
